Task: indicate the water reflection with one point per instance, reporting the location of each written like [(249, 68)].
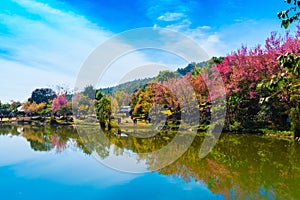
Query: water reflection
[(239, 167)]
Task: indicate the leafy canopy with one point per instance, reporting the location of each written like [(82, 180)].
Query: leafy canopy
[(290, 15)]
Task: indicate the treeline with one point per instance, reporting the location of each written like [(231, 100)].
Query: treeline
[(43, 103), (128, 87), (261, 86), (132, 86)]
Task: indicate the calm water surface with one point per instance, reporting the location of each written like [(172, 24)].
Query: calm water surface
[(55, 163)]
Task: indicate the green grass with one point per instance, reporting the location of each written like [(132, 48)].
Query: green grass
[(276, 132)]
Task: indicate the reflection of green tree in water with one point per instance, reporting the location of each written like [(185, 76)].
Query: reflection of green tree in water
[(38, 146), (94, 141), (142, 145), (239, 172), (47, 137), (5, 130), (239, 166)]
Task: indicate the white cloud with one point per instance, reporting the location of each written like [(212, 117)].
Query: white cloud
[(45, 51), (228, 37), (204, 27), (181, 25), (180, 22), (50, 50), (247, 33), (171, 16), (218, 40), (59, 39), (140, 64), (19, 80), (209, 41)]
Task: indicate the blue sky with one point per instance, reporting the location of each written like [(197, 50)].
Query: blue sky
[(43, 43)]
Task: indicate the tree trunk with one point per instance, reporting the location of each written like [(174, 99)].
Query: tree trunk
[(295, 121), (102, 125)]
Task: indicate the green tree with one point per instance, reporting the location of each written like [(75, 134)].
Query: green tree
[(290, 15), (165, 75), (14, 106), (103, 109), (122, 98), (141, 101), (291, 83), (5, 109), (42, 95), (65, 110), (82, 105), (34, 108), (89, 91), (282, 91)]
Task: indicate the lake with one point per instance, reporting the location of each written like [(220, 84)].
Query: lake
[(55, 163)]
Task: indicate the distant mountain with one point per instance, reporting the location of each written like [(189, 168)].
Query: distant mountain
[(132, 86), (191, 67), (128, 87)]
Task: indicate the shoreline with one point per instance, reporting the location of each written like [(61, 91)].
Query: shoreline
[(38, 121), (47, 121)]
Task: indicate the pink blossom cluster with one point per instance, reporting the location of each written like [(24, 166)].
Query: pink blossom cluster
[(59, 101)]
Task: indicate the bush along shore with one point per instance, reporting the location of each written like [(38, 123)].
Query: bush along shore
[(261, 95), (40, 121)]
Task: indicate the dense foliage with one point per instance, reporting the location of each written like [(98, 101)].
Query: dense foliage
[(9, 109), (238, 172), (261, 84), (103, 109), (42, 95), (290, 15), (128, 87)]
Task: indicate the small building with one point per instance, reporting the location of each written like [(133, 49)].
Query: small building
[(125, 109), (21, 110)]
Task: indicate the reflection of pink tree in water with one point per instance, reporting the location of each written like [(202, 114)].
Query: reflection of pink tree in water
[(57, 143)]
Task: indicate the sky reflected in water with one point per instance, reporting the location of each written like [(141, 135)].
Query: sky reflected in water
[(71, 174)]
